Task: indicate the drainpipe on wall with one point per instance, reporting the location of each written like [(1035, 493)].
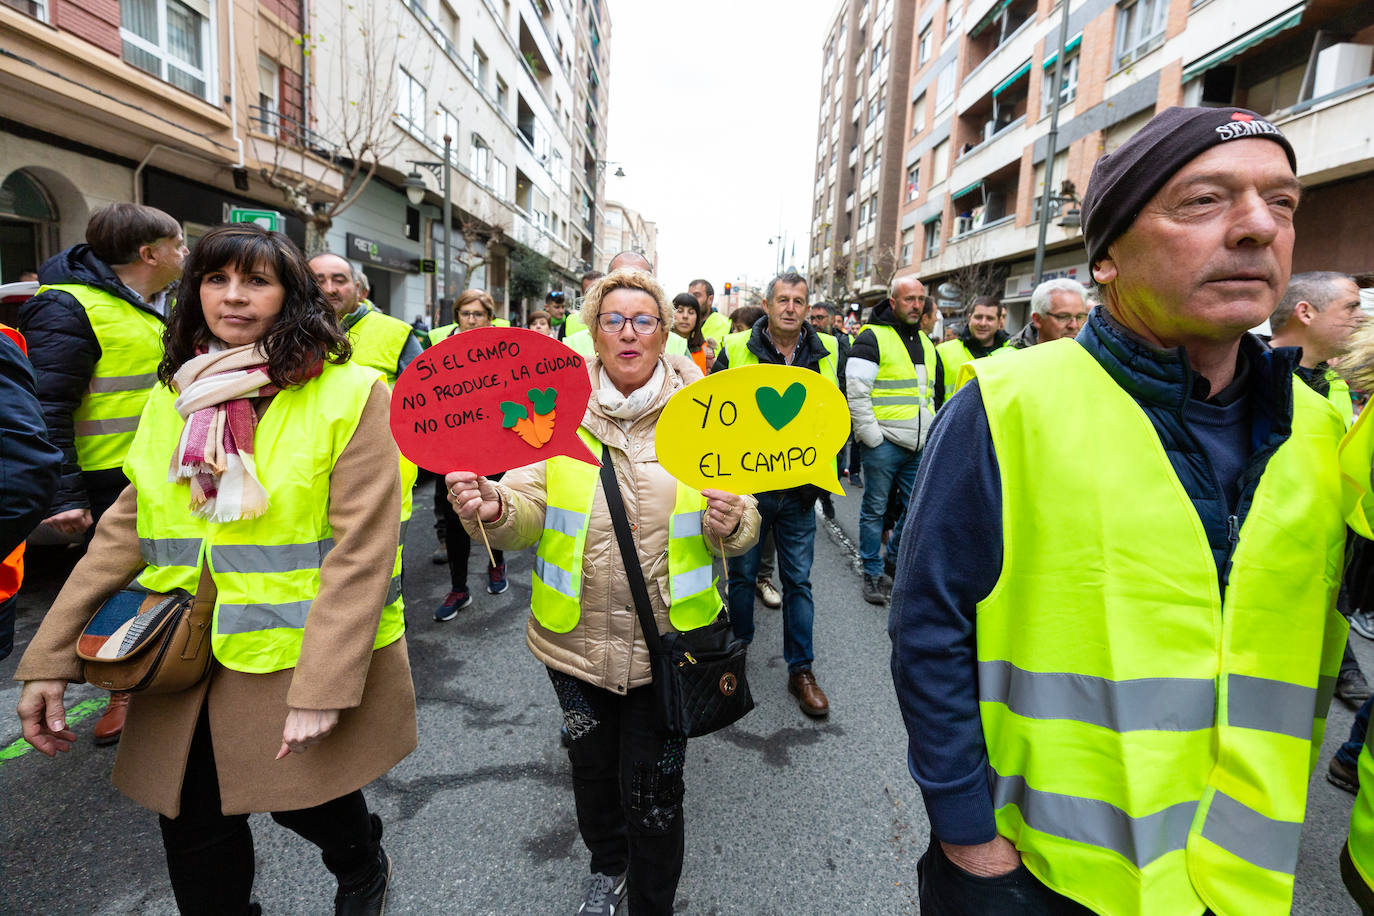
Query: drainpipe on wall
[(305, 68), (234, 86)]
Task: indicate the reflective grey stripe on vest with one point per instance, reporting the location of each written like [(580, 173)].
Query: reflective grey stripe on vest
[(691, 582), (169, 551), (886, 399), (1244, 832), (1273, 706), (1158, 704), (564, 521), (106, 427), (405, 525), (687, 525), (106, 384), (393, 591), (1141, 840), (269, 558), (897, 383), (554, 576), (249, 618)]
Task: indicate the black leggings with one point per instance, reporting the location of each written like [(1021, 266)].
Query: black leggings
[(210, 854), (627, 784), (457, 539)]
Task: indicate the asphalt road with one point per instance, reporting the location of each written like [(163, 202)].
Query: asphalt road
[(785, 815)]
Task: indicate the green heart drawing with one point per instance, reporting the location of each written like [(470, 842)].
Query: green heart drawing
[(781, 409)]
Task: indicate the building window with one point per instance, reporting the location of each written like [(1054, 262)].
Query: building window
[(908, 246), (933, 238), (479, 159), (877, 57), (1068, 83), (1139, 29), (913, 182), (944, 86), (502, 93), (479, 66), (169, 39), (35, 8), (448, 124), (923, 48), (269, 95), (872, 110), (410, 103), (863, 213), (918, 115), (448, 25), (873, 208), (956, 12)]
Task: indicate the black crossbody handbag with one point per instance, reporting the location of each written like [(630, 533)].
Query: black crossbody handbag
[(699, 680)]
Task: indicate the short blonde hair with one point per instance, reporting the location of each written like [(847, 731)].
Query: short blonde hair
[(480, 296), (625, 278)]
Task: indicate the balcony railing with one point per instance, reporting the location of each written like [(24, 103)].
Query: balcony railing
[(289, 131)]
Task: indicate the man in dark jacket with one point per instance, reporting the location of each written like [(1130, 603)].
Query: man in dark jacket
[(783, 337), (94, 331), (824, 319), (28, 472)]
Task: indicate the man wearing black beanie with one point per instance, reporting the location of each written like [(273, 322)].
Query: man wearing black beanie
[(1118, 713)]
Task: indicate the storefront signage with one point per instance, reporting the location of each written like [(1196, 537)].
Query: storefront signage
[(382, 255)]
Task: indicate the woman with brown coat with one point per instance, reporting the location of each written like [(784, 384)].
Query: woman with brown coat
[(627, 771), (308, 697)]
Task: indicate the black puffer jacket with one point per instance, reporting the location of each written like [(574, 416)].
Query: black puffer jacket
[(64, 350)]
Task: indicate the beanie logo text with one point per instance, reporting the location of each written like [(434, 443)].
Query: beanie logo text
[(1245, 126)]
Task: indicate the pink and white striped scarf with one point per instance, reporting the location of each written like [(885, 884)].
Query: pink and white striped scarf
[(215, 454)]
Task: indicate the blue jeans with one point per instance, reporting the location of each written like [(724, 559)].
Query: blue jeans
[(791, 516), (886, 466), (1349, 753)]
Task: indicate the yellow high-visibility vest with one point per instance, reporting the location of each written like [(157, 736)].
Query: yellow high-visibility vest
[(1150, 742), (266, 570), (378, 340), (902, 390), (130, 349), (738, 353)]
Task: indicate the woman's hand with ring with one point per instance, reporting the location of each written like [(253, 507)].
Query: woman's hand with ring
[(723, 512), (473, 496)]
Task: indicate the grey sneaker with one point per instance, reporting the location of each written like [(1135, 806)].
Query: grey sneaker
[(604, 895), (1362, 622), (1352, 689), (1343, 776), (873, 590)]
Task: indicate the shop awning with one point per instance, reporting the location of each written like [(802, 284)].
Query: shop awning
[(1251, 38), (1007, 83), (1072, 46), (988, 17)]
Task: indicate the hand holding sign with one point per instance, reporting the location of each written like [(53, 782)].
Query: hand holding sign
[(488, 400), (754, 428)]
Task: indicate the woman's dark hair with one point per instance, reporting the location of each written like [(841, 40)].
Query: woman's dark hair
[(695, 340), (306, 330)]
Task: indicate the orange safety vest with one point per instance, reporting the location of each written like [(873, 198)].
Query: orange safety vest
[(12, 569)]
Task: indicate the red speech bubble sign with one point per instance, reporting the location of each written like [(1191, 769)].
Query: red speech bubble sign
[(491, 399)]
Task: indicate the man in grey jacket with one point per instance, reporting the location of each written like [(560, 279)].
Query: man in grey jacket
[(894, 381)]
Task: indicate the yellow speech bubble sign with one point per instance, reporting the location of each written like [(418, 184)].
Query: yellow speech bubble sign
[(754, 428)]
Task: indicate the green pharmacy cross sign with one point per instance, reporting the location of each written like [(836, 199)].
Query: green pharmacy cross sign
[(270, 220)]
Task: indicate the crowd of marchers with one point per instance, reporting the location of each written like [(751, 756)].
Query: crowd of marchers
[(1114, 689)]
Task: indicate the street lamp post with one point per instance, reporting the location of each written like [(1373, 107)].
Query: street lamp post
[(1052, 144), (415, 192)]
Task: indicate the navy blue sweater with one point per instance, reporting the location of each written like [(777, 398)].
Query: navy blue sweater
[(951, 552)]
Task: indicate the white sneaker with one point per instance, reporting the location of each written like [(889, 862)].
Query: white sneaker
[(1362, 622), (770, 595)]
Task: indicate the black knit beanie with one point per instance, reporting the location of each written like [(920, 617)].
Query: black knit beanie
[(1124, 180)]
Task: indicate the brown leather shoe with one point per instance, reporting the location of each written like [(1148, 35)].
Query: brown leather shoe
[(810, 697), (108, 729)]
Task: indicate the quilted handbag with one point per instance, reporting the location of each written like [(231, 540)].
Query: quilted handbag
[(146, 642), (699, 678)]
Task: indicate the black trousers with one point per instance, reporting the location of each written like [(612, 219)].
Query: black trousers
[(210, 854), (627, 784), (457, 539)]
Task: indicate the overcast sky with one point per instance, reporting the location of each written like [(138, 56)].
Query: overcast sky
[(713, 114)]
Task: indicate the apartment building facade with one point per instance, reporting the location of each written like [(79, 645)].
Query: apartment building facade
[(977, 111), (317, 113), (855, 206), (626, 229)]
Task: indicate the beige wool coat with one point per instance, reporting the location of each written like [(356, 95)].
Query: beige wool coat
[(337, 669), (606, 647)]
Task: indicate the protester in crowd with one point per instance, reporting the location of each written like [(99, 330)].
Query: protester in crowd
[(1059, 307), (474, 309), (783, 337), (627, 772), (823, 317), (541, 322), (379, 341), (28, 276), (29, 468), (308, 641), (94, 333), (687, 320), (1066, 693), (745, 317), (555, 303), (980, 337), (714, 325), (895, 384)]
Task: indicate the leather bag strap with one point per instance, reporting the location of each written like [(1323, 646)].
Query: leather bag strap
[(633, 571)]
